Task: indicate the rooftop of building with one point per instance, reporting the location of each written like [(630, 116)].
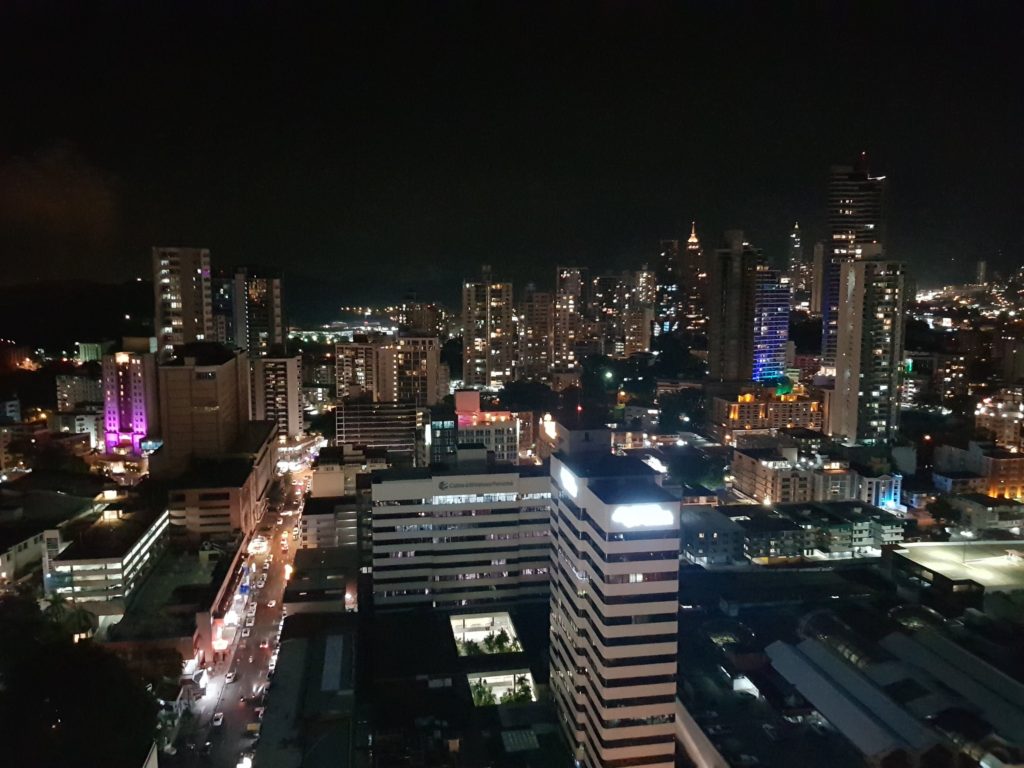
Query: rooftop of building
[(323, 574), (605, 464), (182, 583), (802, 433), (203, 353), (253, 436), (621, 490), (953, 474), (26, 515), (762, 454), (230, 472), (755, 520), (308, 721), (834, 511), (85, 486), (348, 454), (706, 518), (112, 535), (327, 505), (986, 562), (455, 469), (988, 501)]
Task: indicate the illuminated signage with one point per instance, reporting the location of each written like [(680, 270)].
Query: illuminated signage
[(643, 516), (568, 482)]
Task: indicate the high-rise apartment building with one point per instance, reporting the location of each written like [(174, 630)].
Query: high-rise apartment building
[(263, 311), (489, 343), (75, 390), (817, 278), (799, 270), (667, 294), (614, 605), (277, 385), (567, 317), (402, 369), (131, 407), (184, 303), (855, 218), (748, 313), (535, 316), (205, 400), (869, 355)]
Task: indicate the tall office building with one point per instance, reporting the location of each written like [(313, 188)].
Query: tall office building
[(277, 385), (534, 336), (205, 398), (693, 286), (666, 299), (567, 317), (771, 323), (614, 605), (131, 408), (182, 292), (869, 354), (76, 390), (402, 369), (855, 218), (489, 343), (799, 270), (749, 314)]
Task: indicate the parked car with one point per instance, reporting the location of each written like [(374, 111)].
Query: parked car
[(246, 632), (250, 621), (218, 720), (230, 677)]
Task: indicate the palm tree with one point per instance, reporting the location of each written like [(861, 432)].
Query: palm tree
[(56, 608), (81, 621)]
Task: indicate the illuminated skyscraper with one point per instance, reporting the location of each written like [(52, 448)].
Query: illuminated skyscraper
[(855, 217), (865, 406), (799, 270), (184, 305), (263, 312), (614, 604), (693, 285), (534, 336), (667, 293), (749, 315), (567, 318), (131, 408), (489, 343)]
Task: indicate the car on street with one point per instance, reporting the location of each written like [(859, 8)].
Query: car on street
[(246, 632), (266, 565), (218, 720), (250, 621), (264, 643), (230, 677), (271, 603)]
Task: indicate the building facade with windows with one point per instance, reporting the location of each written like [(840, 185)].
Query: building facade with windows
[(470, 536), (615, 546)]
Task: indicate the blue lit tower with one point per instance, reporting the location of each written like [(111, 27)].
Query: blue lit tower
[(771, 323), (748, 314)]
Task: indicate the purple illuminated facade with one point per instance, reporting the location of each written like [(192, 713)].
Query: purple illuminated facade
[(130, 405)]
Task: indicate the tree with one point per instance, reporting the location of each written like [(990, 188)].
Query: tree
[(56, 608), (64, 703), (483, 696), (521, 692), (941, 509)]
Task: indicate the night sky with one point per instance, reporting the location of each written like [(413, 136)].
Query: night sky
[(382, 148)]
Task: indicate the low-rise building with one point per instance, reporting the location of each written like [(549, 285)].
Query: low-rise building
[(771, 475), (1001, 415), (708, 537), (497, 430), (763, 410), (329, 521), (107, 561), (957, 481), (980, 512), (1003, 470)]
